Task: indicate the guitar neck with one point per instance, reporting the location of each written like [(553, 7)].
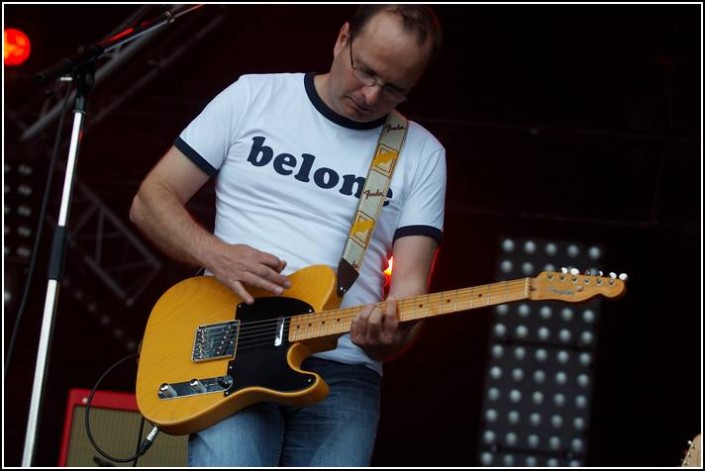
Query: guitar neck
[(337, 321)]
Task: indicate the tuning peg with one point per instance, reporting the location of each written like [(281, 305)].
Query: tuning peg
[(623, 276), (600, 273), (574, 271), (564, 270), (613, 275)]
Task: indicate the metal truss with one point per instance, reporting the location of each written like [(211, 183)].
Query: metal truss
[(110, 249), (103, 243), (129, 68)]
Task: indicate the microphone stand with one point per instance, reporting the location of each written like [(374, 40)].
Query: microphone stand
[(81, 68)]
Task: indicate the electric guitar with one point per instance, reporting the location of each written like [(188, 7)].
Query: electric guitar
[(206, 354), (693, 457)]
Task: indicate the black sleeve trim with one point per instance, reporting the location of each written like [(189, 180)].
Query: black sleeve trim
[(194, 157), (429, 231)]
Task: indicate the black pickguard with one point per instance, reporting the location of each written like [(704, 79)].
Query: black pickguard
[(258, 361)]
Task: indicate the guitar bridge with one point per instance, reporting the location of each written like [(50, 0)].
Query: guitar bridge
[(195, 387), (216, 341)]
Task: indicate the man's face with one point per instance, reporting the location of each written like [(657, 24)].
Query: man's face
[(372, 73)]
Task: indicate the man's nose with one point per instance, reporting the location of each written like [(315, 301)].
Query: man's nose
[(371, 94)]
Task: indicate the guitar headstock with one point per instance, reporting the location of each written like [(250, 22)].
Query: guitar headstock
[(571, 286), (693, 456)]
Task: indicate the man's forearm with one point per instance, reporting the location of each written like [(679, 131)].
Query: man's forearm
[(165, 221)]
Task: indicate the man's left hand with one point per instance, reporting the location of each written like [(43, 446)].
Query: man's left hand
[(378, 332)]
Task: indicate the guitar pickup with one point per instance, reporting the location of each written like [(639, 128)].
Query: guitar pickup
[(216, 341), (195, 387)]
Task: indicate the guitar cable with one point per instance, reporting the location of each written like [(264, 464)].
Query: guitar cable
[(141, 447)]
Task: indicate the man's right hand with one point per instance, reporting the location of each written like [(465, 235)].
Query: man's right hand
[(238, 266), (159, 211)]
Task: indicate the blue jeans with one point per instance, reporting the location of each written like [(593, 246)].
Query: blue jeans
[(338, 431)]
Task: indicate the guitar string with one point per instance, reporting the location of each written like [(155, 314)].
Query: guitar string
[(492, 289), (254, 333), (260, 333)]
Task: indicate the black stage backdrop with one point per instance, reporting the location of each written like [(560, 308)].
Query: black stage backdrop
[(567, 122)]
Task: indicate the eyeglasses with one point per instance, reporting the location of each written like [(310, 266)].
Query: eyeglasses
[(370, 79)]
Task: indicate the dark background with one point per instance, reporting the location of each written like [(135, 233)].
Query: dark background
[(573, 122)]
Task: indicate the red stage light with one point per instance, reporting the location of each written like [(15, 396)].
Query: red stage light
[(16, 48), (388, 271)]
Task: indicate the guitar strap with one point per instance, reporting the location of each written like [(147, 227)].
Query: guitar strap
[(372, 198)]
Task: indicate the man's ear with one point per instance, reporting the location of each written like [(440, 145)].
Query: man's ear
[(343, 36)]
